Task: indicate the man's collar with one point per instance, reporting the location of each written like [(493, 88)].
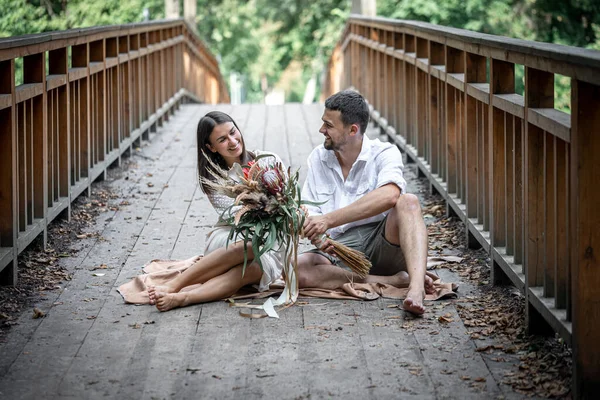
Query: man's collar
[(365, 149)]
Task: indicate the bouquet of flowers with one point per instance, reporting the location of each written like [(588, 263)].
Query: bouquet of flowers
[(267, 214)]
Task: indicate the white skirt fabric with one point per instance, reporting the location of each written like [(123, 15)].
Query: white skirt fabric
[(272, 261)]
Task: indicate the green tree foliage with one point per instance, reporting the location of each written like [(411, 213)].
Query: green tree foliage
[(20, 17), (260, 39)]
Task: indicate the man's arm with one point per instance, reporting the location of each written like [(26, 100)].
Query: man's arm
[(371, 204)]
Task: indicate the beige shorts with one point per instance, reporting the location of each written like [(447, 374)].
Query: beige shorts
[(387, 258)]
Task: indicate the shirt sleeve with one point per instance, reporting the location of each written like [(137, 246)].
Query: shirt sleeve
[(390, 166), (308, 189)]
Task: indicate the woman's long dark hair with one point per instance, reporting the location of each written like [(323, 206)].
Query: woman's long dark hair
[(205, 128)]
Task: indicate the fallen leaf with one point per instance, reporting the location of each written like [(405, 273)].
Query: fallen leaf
[(37, 313)]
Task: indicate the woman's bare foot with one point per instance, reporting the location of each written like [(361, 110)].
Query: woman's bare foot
[(168, 301), (429, 288), (413, 303), (152, 290)]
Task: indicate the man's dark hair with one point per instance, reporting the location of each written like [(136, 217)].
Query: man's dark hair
[(352, 106)]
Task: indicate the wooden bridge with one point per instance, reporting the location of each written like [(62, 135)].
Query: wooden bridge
[(518, 172)]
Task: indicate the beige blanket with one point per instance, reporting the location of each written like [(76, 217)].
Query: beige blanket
[(159, 272)]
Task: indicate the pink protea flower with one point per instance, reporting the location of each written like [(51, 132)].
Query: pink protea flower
[(273, 181)]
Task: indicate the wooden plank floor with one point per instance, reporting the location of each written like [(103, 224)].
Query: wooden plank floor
[(92, 345)]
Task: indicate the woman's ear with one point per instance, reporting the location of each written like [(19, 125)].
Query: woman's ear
[(208, 146)]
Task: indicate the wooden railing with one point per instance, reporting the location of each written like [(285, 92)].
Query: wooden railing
[(520, 174), (88, 95)]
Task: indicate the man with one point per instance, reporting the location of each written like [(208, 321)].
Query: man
[(365, 207)]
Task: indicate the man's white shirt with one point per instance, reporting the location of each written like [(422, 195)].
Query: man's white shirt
[(377, 164)]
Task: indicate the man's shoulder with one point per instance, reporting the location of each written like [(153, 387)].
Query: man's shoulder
[(378, 147)]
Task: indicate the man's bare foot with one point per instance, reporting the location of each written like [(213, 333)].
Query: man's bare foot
[(168, 301), (152, 290), (413, 303)]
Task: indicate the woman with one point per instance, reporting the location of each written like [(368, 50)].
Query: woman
[(220, 269)]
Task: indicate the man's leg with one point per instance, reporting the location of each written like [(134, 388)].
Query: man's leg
[(315, 271), (406, 228)]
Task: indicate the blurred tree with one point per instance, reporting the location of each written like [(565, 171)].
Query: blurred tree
[(259, 39)]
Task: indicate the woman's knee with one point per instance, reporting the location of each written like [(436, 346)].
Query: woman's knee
[(252, 274)]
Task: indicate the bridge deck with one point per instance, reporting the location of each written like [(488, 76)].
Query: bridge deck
[(92, 345)]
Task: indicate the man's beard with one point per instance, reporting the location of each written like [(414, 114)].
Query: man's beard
[(328, 144)]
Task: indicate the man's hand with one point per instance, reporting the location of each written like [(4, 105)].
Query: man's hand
[(315, 227)]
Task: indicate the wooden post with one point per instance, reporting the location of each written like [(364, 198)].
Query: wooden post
[(58, 65), (502, 81), (8, 175), (475, 72), (585, 238), (454, 64), (34, 71)]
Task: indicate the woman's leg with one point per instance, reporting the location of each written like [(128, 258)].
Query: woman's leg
[(210, 266), (216, 288)]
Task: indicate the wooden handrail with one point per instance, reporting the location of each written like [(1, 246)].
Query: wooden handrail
[(519, 173), (88, 95)]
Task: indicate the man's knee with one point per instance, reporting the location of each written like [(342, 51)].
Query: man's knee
[(408, 203)]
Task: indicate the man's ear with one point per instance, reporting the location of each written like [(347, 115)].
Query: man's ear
[(354, 129)]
